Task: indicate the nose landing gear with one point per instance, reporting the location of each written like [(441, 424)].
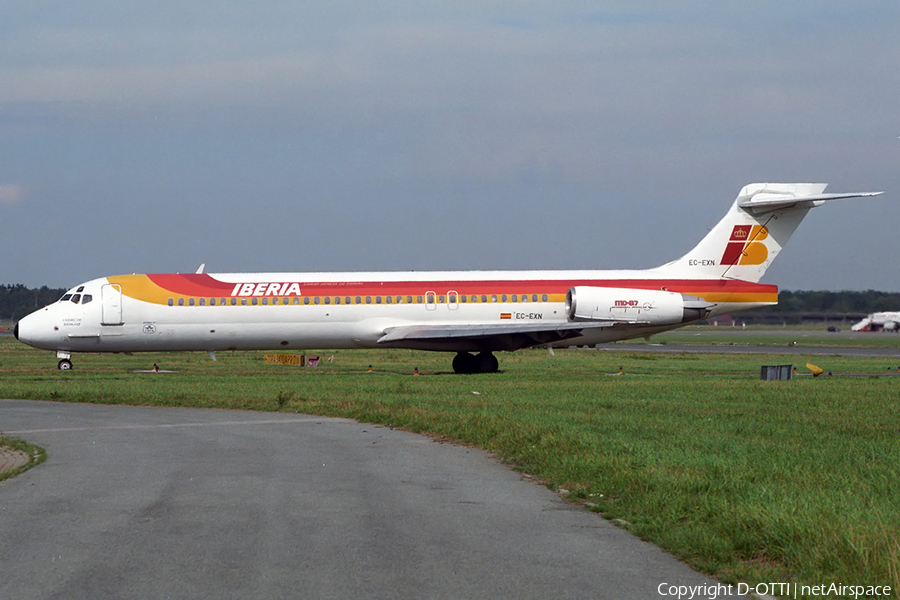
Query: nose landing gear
[(484, 362), (65, 362)]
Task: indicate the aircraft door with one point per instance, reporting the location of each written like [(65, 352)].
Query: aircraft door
[(111, 304)]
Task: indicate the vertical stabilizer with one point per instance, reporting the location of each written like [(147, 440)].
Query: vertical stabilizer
[(753, 232)]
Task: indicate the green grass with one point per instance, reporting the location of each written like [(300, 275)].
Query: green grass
[(744, 479), (36, 455)]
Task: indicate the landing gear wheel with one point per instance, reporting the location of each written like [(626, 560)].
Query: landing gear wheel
[(64, 365), (487, 363), (464, 363)]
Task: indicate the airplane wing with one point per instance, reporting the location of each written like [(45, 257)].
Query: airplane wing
[(488, 337)]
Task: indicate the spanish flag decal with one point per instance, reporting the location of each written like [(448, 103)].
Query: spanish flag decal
[(506, 315)]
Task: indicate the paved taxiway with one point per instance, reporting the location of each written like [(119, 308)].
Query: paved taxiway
[(143, 502), (739, 349)]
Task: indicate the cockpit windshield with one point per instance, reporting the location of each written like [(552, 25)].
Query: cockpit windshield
[(77, 298)]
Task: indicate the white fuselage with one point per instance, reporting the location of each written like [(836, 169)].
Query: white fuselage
[(338, 310)]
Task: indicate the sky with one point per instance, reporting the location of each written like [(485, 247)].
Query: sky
[(276, 135)]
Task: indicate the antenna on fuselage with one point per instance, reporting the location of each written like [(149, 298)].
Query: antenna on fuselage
[(199, 270)]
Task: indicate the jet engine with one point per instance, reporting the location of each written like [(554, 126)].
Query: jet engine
[(650, 307)]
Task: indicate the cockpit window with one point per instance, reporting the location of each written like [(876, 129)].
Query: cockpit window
[(80, 289), (65, 297), (76, 298), (86, 298)]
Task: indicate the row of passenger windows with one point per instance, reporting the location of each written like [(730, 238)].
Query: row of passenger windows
[(452, 298)]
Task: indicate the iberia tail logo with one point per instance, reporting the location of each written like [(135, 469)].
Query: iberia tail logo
[(745, 246)]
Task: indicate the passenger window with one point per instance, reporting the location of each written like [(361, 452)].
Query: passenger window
[(327, 299), (347, 300), (493, 297), (358, 300), (171, 302), (305, 299), (377, 299), (515, 298), (534, 297), (265, 302), (86, 298), (544, 298), (503, 298), (244, 301), (191, 302), (234, 301), (483, 299), (181, 302), (441, 298), (255, 301), (464, 298), (389, 299), (368, 299), (409, 299), (212, 301), (419, 299)]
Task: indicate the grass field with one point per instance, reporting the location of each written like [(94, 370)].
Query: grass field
[(744, 479)]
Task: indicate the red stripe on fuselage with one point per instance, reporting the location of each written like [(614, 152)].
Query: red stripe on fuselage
[(205, 285)]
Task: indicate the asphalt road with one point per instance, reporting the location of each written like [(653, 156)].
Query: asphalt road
[(142, 502)]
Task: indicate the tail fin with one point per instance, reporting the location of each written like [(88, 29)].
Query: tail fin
[(753, 232)]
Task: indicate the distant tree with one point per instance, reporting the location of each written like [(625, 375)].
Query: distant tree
[(16, 300)]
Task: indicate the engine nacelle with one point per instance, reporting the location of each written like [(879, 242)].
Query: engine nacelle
[(651, 307)]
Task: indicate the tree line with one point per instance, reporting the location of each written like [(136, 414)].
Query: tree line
[(16, 301), (836, 303)]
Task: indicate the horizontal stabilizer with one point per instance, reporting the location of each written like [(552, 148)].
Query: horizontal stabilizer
[(766, 202)]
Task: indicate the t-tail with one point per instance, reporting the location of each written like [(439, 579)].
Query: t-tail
[(753, 232)]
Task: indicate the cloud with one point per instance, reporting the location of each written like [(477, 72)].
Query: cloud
[(11, 194)]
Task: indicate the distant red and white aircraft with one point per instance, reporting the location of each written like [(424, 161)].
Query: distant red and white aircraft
[(471, 313), (880, 321)]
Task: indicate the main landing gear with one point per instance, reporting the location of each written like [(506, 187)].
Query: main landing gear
[(484, 362)]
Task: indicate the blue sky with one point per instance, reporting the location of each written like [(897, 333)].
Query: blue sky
[(310, 136)]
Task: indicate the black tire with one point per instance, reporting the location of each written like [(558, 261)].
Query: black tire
[(487, 363), (464, 363), (64, 365)]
